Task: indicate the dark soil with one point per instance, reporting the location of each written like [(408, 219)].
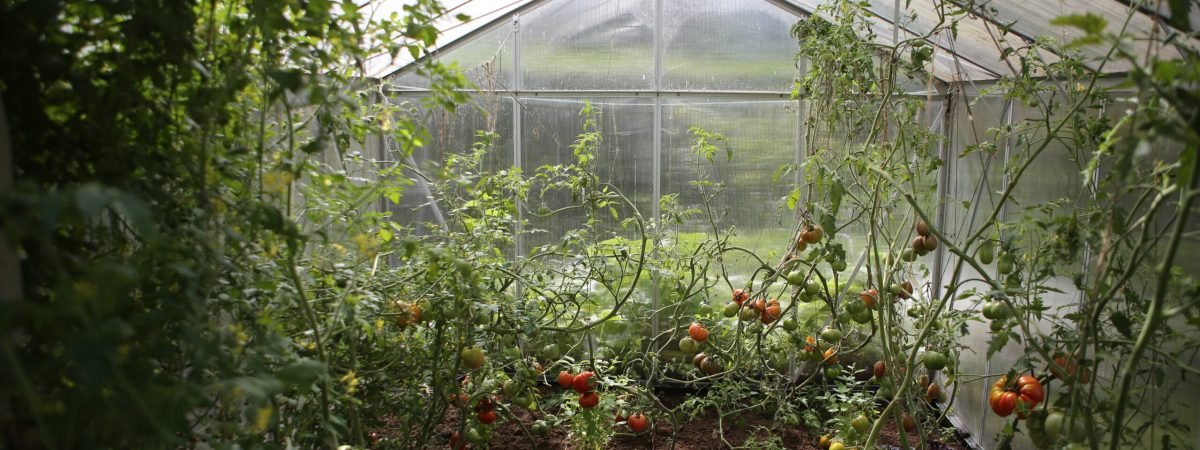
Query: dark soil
[(701, 433)]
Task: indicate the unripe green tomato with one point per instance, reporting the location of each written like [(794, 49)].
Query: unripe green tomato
[(833, 371), (916, 311), (551, 352), (796, 278), (813, 288), (1054, 424), (838, 266), (730, 310), (832, 335), (861, 317), (843, 319), (689, 345), (988, 310), (1005, 265), (985, 253), (908, 255), (934, 360), (999, 325), (789, 324), (748, 314), (705, 309)]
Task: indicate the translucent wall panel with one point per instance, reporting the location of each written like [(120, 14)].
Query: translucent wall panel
[(450, 133), (728, 45), (763, 136), (976, 175), (588, 45), (625, 158), (485, 60)]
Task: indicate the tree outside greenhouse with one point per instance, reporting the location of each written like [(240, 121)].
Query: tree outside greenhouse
[(390, 224)]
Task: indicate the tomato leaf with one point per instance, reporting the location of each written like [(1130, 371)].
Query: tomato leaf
[(1122, 323)]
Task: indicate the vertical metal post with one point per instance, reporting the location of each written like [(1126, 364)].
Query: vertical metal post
[(657, 154), (945, 152), (516, 140)]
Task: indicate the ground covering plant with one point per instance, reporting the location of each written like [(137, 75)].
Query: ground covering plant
[(205, 259)]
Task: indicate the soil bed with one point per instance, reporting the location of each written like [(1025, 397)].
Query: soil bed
[(699, 434)]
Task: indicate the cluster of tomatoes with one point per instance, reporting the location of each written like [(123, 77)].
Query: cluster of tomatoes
[(692, 343), (925, 241), (767, 311), (811, 234), (637, 421), (584, 383)]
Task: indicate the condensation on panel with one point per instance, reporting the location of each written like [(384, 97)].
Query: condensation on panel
[(449, 133), (588, 45), (486, 60), (762, 136), (624, 159), (728, 45)]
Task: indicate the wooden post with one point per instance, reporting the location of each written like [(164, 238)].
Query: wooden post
[(10, 264)]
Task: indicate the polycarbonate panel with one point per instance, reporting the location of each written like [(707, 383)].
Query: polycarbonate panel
[(728, 45), (588, 45), (971, 196), (624, 159), (485, 60), (449, 133), (762, 135), (1033, 19), (945, 66), (479, 13)]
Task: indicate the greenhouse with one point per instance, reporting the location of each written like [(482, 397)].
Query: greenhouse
[(539, 224)]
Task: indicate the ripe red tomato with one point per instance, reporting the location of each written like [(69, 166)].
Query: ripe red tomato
[(699, 358), (1002, 402), (868, 297), (933, 391), (409, 314), (770, 314), (740, 295), (583, 382), (759, 305), (698, 332), (638, 422), (565, 379), (1066, 369), (813, 235), (1027, 393), (485, 404), (880, 369), (709, 366), (589, 400), (487, 417), (1030, 390), (910, 425), (830, 356)]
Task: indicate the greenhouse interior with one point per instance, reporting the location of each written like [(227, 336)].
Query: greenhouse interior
[(600, 224)]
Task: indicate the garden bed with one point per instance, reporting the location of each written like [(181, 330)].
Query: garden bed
[(752, 431)]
